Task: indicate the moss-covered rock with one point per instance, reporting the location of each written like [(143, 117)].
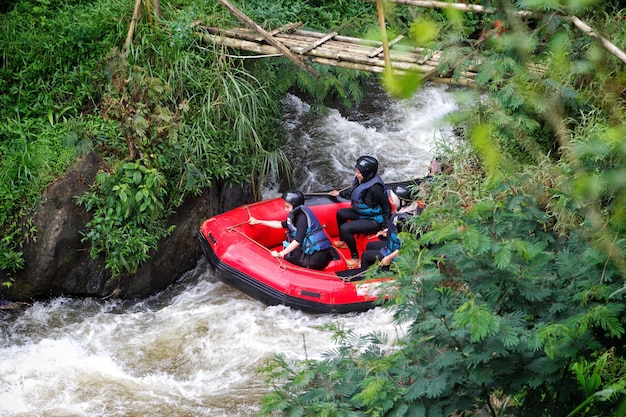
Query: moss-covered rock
[(57, 260)]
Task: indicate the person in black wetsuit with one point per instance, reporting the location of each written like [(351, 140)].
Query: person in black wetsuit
[(370, 209), (406, 204), (385, 250), (307, 244)]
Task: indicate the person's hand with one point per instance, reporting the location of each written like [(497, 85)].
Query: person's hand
[(333, 193), (386, 261), (382, 233), (277, 254), (253, 221)]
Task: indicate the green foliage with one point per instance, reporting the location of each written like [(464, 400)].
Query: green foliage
[(604, 372), (161, 101), (329, 387), (513, 286), (497, 307), (51, 53), (334, 84), (128, 216), (349, 16), (49, 83)]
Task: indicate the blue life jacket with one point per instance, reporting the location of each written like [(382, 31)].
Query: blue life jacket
[(365, 211), (315, 239), (393, 241)]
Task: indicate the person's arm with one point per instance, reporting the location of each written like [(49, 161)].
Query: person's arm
[(386, 261), (345, 192), (293, 245), (384, 202), (274, 224), (378, 196), (301, 227)]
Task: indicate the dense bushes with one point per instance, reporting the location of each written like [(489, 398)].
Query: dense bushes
[(512, 281)]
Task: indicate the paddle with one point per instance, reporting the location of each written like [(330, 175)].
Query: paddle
[(328, 192)]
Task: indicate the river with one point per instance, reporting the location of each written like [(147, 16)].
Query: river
[(193, 350)]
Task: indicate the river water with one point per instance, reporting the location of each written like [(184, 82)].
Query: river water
[(193, 350)]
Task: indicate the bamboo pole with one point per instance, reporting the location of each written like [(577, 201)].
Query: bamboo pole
[(383, 33), (293, 41), (360, 63), (605, 42), (149, 11), (286, 28), (406, 61), (156, 7), (269, 38), (339, 50), (389, 45), (317, 43), (357, 41), (305, 34), (464, 7), (131, 28), (461, 82)]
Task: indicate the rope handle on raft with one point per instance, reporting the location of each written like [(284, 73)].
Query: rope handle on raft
[(284, 266), (232, 227)]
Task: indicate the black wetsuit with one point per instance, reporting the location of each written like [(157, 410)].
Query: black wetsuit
[(350, 222)]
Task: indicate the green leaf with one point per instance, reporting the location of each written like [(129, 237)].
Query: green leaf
[(481, 138), (423, 31), (481, 321), (502, 257)]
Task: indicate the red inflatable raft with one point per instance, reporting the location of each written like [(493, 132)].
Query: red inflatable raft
[(240, 254)]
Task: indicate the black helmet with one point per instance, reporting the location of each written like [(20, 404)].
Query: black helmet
[(367, 166), (402, 192), (294, 197)]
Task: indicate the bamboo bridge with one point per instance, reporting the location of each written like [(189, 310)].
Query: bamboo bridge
[(303, 47), (336, 50)]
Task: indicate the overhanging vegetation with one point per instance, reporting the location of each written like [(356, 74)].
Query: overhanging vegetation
[(512, 280)]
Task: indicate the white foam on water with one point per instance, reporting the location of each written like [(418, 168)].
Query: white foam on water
[(193, 350), (402, 135)]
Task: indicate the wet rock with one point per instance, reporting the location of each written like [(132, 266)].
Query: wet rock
[(58, 262), (13, 305), (179, 252)]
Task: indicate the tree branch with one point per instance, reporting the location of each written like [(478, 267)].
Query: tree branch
[(269, 38)]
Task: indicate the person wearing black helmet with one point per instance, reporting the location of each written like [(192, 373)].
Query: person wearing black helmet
[(370, 206), (384, 251), (307, 244), (404, 200)]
